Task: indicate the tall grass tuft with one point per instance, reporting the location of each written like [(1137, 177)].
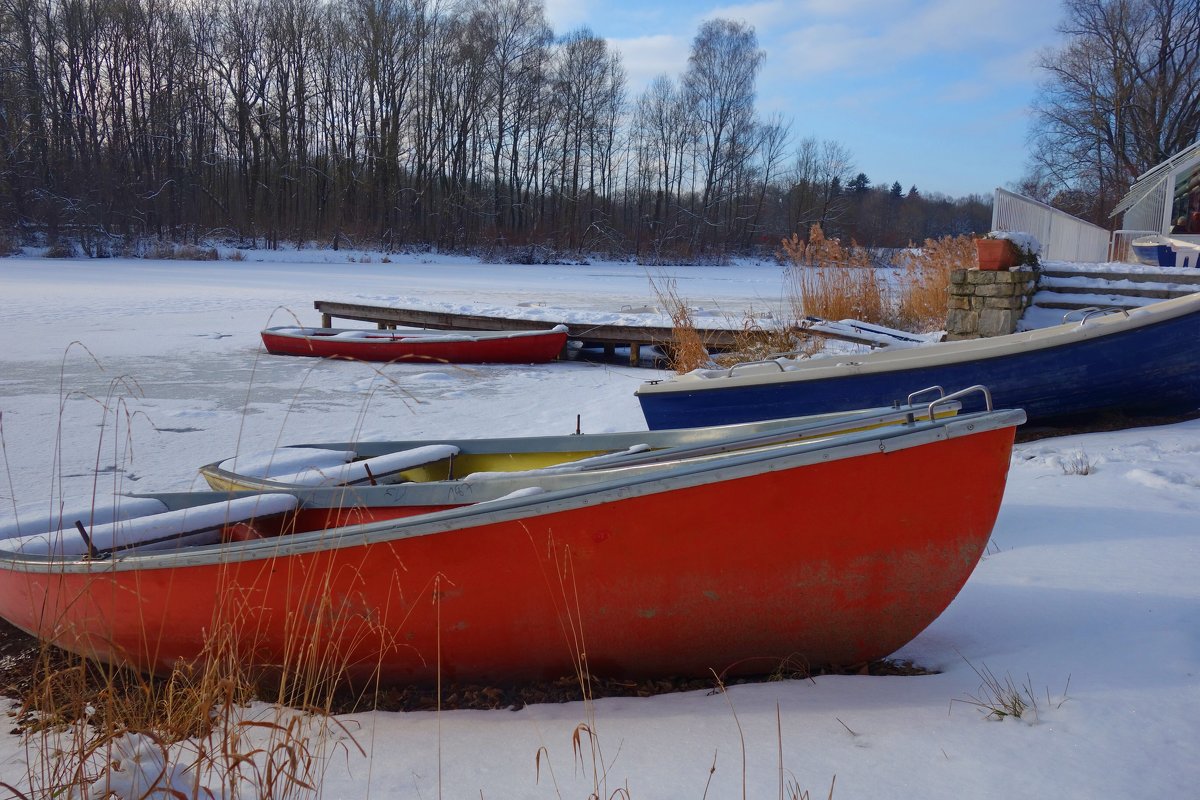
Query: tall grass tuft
[(829, 280), (169, 251), (688, 350), (924, 292), (93, 730), (832, 281), (196, 729)]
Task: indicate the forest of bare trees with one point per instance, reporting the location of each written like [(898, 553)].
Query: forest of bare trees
[(407, 123)]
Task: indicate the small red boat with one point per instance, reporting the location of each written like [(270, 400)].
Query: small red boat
[(454, 347), (835, 551)]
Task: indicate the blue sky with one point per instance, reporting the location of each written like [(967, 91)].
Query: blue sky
[(934, 93)]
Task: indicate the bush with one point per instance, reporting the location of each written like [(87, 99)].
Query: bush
[(831, 281), (60, 249), (168, 251)]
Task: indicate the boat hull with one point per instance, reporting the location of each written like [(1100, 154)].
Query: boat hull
[(1153, 253), (1165, 251), (526, 347), (739, 571), (1146, 369)]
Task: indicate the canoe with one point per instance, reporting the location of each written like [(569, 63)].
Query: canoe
[(737, 564), (454, 347), (421, 461), (1142, 361)]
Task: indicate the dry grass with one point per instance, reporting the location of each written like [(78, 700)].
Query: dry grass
[(757, 339), (60, 249), (688, 350), (93, 729), (925, 291), (1001, 698), (831, 281)]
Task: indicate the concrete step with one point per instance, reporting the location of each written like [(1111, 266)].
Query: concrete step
[(1071, 287), (1156, 291), (1077, 301), (1171, 275)]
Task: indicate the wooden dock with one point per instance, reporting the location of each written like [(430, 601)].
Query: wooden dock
[(609, 337)]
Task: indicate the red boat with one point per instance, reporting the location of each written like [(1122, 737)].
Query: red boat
[(455, 347), (836, 551)]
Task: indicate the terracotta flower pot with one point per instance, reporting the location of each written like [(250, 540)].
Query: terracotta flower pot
[(996, 253)]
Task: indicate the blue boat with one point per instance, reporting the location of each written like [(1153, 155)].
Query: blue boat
[(1142, 361), (1163, 251)]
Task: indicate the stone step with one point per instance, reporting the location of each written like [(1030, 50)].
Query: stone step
[(1153, 291), (1169, 275), (1085, 286), (1075, 302)]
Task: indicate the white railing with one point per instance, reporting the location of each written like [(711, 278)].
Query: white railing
[(1121, 241), (1149, 211), (1063, 237)]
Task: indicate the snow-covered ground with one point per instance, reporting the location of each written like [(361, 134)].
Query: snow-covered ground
[(1089, 594)]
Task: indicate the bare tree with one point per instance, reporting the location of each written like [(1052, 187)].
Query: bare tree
[(588, 90), (515, 45), (720, 86), (1122, 95)]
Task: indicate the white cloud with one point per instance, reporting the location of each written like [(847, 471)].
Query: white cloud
[(890, 36), (759, 15), (647, 57), (567, 15)]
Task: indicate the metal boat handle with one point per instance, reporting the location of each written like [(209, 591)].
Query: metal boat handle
[(729, 372), (1098, 311), (979, 387), (1067, 316), (1092, 311), (912, 397)]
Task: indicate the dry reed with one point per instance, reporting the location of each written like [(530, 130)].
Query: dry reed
[(757, 339), (687, 350), (832, 281), (925, 286), (94, 729)]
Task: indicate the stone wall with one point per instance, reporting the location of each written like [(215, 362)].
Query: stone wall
[(988, 302)]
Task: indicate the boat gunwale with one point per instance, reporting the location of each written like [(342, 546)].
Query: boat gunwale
[(683, 476), (661, 441)]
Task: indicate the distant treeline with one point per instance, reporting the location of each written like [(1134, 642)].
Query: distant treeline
[(408, 123)]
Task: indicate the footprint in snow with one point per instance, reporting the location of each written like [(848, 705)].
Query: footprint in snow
[(1162, 479)]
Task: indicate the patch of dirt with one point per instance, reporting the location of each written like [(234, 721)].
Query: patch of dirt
[(569, 689), (22, 658)]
